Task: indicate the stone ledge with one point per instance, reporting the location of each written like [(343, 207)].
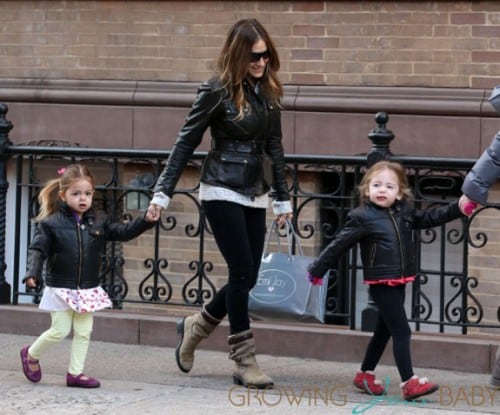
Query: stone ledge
[(316, 119), (329, 343), (323, 98)]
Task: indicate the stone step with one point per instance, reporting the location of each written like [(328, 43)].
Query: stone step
[(471, 353)]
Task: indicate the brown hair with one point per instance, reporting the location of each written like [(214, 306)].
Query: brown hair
[(49, 195), (235, 57), (396, 168)]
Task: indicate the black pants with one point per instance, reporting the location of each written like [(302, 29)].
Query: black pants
[(239, 232), (391, 321)]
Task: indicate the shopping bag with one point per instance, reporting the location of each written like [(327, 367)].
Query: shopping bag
[(282, 291)]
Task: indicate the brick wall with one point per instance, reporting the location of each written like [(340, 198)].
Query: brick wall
[(396, 43)]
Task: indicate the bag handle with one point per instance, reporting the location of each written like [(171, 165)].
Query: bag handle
[(273, 230), (291, 233)]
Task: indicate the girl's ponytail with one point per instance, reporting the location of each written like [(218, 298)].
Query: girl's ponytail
[(48, 199)]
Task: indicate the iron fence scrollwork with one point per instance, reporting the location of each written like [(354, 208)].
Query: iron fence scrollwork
[(178, 263)]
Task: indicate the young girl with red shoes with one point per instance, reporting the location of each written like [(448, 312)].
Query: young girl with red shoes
[(383, 226)]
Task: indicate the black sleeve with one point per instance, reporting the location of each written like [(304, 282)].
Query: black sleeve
[(345, 239), (428, 218)]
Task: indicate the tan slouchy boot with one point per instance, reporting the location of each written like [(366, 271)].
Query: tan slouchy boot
[(193, 330), (247, 372)]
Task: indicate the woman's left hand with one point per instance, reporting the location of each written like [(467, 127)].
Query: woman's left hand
[(281, 219)]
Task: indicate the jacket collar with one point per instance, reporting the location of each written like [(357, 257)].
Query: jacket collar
[(88, 216), (396, 206)]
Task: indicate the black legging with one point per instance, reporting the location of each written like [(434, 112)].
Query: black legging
[(239, 232), (391, 321)]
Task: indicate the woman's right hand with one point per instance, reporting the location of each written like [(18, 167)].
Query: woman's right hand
[(154, 212), (159, 201)]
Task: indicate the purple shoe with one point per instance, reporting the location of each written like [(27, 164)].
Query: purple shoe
[(27, 361), (81, 381)]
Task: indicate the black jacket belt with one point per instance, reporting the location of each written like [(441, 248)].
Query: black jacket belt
[(239, 146)]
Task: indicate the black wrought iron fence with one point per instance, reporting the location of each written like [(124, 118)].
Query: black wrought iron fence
[(176, 263)]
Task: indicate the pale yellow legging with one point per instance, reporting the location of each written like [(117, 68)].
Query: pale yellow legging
[(62, 321)]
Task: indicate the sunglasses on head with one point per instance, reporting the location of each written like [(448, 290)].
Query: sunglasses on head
[(257, 56)]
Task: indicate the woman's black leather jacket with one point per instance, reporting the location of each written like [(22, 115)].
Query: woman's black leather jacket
[(386, 238), (72, 251), (246, 154)]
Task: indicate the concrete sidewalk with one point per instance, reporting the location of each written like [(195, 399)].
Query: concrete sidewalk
[(139, 379)]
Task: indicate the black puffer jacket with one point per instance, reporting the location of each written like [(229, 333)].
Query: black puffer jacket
[(246, 154), (386, 238), (73, 252)]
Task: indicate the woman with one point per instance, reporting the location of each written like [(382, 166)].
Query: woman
[(241, 106)]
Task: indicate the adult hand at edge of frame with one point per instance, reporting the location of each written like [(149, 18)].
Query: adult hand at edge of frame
[(466, 205)]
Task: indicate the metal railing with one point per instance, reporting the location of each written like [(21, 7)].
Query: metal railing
[(322, 189)]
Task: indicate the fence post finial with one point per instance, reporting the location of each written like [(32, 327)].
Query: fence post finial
[(381, 138)]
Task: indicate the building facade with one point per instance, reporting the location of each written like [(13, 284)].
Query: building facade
[(123, 74)]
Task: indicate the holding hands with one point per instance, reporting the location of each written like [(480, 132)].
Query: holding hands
[(159, 201), (153, 213), (466, 205)]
